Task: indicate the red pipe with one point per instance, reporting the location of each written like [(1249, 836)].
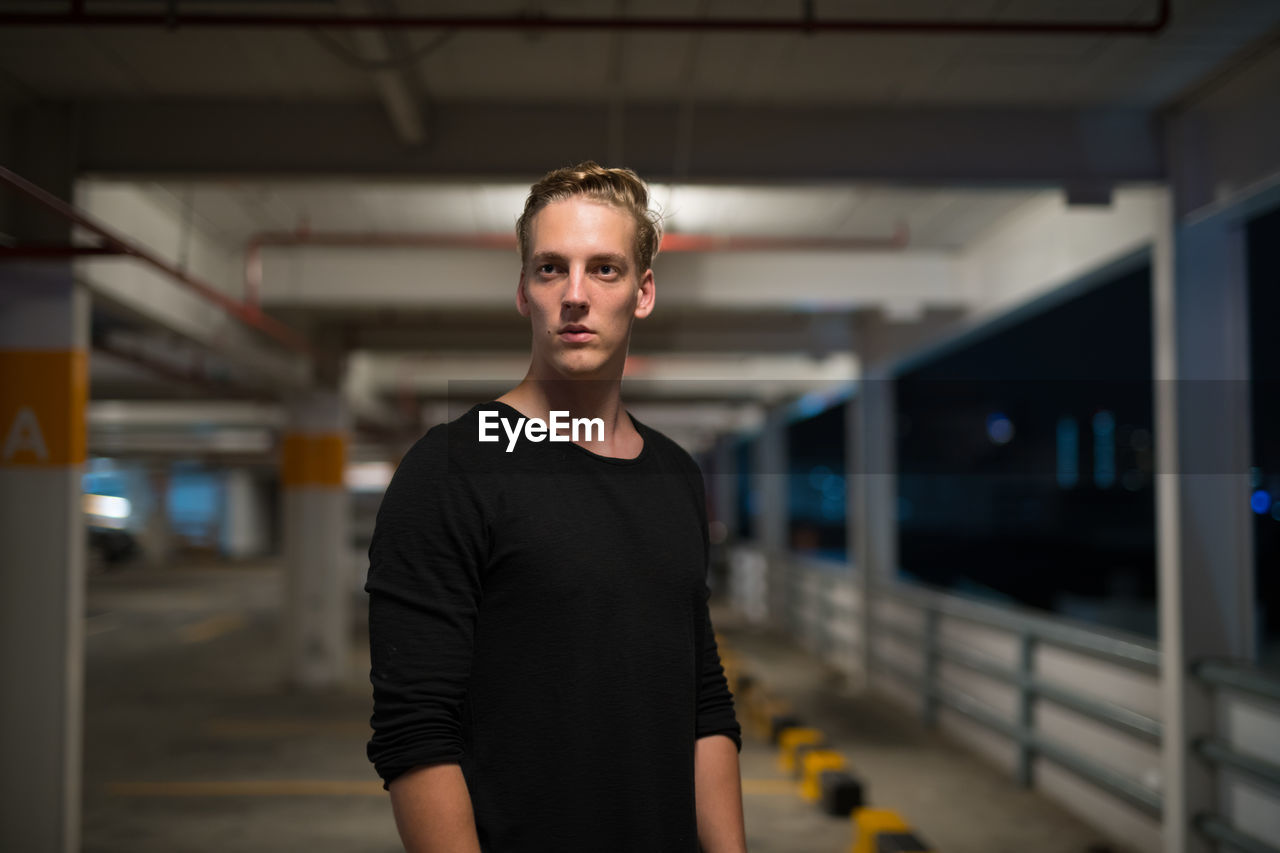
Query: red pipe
[(250, 315), (8, 253), (78, 17), (383, 240), (716, 243), (671, 242)]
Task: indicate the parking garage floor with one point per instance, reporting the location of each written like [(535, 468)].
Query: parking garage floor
[(191, 743)]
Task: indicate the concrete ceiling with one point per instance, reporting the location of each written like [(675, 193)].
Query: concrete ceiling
[(780, 134), (784, 67)]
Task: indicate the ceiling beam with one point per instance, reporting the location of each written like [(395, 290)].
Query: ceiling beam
[(503, 331), (733, 142)]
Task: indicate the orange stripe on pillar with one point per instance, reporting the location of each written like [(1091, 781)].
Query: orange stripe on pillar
[(43, 400), (313, 459)]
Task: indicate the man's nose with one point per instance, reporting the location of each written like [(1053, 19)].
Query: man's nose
[(575, 294)]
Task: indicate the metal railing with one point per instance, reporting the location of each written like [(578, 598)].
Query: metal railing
[(1030, 632), (1218, 753)]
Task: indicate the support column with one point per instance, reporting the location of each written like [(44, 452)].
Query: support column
[(44, 332), (245, 517), (770, 478), (317, 547), (157, 533), (725, 483), (1204, 539), (720, 490), (855, 524), (873, 504)]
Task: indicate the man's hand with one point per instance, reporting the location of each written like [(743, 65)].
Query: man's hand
[(718, 789), (433, 810)]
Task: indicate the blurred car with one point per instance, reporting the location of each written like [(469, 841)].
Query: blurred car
[(109, 547)]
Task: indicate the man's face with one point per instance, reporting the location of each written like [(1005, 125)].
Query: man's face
[(580, 288)]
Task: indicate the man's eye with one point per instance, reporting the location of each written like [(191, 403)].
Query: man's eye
[(607, 269), (547, 269)]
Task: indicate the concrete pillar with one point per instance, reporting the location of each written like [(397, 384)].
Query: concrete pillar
[(44, 327), (873, 486), (769, 477), (1204, 536), (874, 497), (44, 337), (317, 520), (245, 516), (157, 532), (725, 482)]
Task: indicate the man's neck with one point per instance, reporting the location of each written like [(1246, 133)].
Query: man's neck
[(581, 398)]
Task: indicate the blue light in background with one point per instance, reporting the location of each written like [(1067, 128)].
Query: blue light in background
[(818, 475), (1104, 450), (1068, 453), (833, 488), (811, 404), (999, 428), (1260, 501), (194, 501)]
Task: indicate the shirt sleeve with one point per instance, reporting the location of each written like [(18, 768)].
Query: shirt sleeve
[(429, 545), (715, 702)]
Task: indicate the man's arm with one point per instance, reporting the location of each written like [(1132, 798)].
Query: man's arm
[(433, 810), (424, 588), (718, 791), (717, 781)]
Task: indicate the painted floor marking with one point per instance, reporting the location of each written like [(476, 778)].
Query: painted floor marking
[(212, 627)]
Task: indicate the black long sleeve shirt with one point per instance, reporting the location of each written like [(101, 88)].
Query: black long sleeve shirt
[(540, 617)]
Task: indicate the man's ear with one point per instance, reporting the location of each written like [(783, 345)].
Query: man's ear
[(522, 301), (648, 295)]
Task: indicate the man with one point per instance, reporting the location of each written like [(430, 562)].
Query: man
[(544, 669)]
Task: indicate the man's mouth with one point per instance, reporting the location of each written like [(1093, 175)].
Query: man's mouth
[(575, 333)]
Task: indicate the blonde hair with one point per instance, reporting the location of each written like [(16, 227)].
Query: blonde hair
[(620, 188)]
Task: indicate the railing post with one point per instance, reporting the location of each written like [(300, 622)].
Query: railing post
[(929, 680), (872, 516), (825, 611), (1026, 709), (866, 637), (769, 473), (795, 594)]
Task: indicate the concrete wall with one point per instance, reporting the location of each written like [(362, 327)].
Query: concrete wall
[(1047, 243)]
